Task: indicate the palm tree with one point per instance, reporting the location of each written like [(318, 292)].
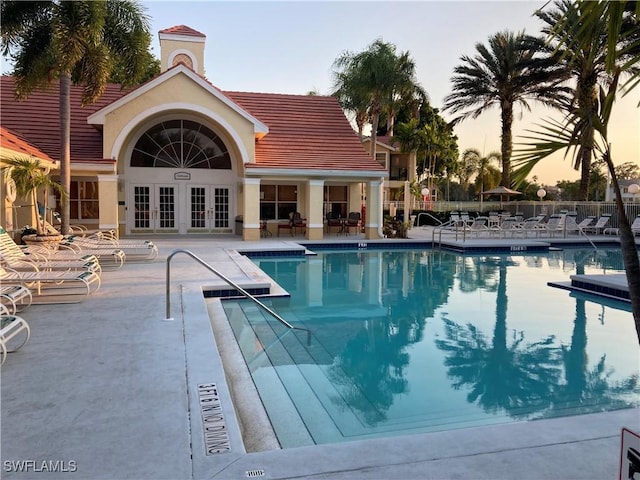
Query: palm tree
[(29, 177), (509, 71), (79, 42), (482, 167), (376, 81), (568, 134), (586, 63)]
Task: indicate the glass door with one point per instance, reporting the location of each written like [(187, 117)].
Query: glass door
[(154, 209), (209, 209)]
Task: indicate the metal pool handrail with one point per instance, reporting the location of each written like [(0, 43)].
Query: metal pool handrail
[(228, 282)]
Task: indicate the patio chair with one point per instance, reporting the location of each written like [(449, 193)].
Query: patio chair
[(353, 221), (600, 225), (494, 220), (298, 222), (12, 255), (62, 287), (333, 221)]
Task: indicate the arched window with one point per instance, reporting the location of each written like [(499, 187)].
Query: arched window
[(180, 144), (183, 58)]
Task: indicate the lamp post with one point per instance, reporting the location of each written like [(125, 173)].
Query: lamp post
[(541, 194), (633, 189), (425, 194)]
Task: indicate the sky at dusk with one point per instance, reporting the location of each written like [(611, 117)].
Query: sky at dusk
[(289, 47)]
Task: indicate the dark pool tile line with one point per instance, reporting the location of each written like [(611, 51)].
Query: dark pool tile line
[(600, 289), (227, 293), (367, 245), (272, 253), (496, 249)]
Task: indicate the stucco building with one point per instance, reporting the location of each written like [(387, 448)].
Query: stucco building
[(178, 155)]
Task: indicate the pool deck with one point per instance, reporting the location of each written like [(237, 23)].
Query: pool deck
[(113, 389)]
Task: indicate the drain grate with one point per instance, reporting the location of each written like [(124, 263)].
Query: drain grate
[(255, 473)]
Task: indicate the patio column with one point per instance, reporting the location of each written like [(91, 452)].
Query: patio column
[(373, 221), (251, 209), (314, 197), (108, 202)]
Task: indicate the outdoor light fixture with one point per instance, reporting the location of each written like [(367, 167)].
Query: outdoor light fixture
[(633, 189), (425, 192), (541, 193)]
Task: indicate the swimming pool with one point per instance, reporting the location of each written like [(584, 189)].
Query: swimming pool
[(419, 341)]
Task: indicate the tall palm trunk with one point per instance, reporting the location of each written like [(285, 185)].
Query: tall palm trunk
[(65, 150), (506, 142), (375, 121), (587, 101), (628, 247)]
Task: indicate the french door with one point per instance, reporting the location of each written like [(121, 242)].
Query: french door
[(209, 209), (154, 209)]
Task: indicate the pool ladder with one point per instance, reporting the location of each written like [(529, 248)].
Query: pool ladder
[(229, 282)]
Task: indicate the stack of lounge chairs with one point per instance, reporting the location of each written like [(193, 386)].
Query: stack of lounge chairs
[(64, 275)]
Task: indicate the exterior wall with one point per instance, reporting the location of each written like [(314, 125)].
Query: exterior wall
[(355, 197), (195, 49), (107, 196), (178, 95), (176, 98)]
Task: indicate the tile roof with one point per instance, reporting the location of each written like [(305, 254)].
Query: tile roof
[(14, 142), (305, 132), (183, 30), (37, 119)]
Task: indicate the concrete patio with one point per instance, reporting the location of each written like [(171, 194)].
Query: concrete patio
[(111, 388)]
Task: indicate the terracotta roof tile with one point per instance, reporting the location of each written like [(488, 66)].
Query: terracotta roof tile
[(13, 141), (305, 132), (183, 30), (37, 119)]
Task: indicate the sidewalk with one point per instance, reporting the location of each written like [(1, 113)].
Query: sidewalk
[(109, 387)]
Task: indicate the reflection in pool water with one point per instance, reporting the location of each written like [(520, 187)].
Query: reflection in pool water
[(415, 341)]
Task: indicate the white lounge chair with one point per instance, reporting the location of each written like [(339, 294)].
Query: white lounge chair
[(53, 286), (12, 255), (600, 225), (555, 225), (14, 296), (11, 326), (479, 226), (134, 250), (635, 226), (510, 226), (532, 225)]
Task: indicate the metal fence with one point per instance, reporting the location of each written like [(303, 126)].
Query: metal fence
[(527, 209)]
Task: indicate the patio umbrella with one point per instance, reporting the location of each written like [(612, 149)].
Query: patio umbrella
[(503, 192)]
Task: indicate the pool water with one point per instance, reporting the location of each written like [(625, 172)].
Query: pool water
[(419, 341)]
